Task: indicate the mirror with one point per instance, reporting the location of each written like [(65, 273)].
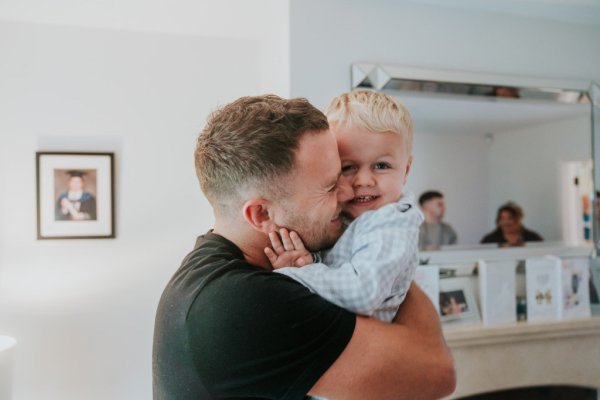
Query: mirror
[(485, 140)]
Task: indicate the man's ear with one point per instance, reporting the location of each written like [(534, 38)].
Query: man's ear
[(258, 213), (408, 165)]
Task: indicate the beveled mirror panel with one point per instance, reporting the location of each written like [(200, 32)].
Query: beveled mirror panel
[(484, 140)]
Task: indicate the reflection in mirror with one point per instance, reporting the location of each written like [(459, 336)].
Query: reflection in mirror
[(512, 167)]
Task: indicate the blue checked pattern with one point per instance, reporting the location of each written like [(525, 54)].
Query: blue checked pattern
[(370, 268)]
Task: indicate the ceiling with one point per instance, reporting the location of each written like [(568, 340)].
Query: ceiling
[(569, 11)]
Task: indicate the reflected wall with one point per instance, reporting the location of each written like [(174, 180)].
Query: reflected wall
[(521, 140)]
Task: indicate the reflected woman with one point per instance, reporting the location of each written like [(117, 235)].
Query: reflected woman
[(510, 230)]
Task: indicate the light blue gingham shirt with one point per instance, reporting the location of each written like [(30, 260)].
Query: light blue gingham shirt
[(370, 268)]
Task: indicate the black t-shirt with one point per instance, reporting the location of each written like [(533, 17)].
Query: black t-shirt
[(241, 332)]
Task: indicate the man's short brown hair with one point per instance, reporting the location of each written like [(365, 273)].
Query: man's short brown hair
[(250, 144)]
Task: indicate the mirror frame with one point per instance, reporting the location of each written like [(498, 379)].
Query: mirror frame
[(492, 87)]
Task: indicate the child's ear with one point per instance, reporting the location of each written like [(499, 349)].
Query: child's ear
[(259, 214), (408, 165)]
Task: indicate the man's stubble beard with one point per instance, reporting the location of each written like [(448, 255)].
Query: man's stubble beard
[(314, 234)]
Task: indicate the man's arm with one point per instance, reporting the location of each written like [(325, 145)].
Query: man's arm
[(404, 360), (453, 236)]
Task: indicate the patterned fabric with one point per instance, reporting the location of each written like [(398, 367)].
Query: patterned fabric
[(370, 268)]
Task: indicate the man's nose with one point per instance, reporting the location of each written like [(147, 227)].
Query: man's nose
[(345, 191)]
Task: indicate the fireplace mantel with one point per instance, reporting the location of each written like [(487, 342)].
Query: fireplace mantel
[(525, 354)]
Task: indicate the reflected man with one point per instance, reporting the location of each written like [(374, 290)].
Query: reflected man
[(434, 232)]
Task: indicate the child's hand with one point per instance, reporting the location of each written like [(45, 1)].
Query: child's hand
[(288, 251)]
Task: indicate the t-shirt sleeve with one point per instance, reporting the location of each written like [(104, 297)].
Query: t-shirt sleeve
[(453, 236), (264, 335)]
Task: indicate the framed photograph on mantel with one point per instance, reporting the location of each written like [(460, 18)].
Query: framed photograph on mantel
[(75, 195), (457, 303)]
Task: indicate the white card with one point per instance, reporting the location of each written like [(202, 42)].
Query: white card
[(576, 288), (428, 279), (498, 292), (544, 291)]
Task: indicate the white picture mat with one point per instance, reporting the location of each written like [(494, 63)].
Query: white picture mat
[(49, 227)]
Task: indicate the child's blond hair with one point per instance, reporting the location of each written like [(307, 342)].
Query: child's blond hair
[(374, 111)]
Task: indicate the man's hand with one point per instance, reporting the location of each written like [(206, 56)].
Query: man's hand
[(288, 251)]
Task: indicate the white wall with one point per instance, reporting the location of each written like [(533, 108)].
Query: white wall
[(264, 20), (477, 175), (525, 167), (83, 310), (458, 166), (327, 36)]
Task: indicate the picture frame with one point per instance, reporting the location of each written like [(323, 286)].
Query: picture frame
[(75, 195), (595, 286), (457, 303)]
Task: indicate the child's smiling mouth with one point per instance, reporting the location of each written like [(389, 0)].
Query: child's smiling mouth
[(363, 199)]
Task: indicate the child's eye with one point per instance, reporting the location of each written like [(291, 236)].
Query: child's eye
[(382, 165)]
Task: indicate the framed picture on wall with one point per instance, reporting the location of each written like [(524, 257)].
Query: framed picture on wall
[(75, 195)]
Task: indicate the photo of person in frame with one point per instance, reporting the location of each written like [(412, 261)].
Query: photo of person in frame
[(452, 303), (75, 192)]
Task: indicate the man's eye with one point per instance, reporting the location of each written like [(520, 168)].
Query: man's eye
[(332, 188), (348, 169), (382, 165)]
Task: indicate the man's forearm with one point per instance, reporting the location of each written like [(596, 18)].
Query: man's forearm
[(407, 359), (418, 313)]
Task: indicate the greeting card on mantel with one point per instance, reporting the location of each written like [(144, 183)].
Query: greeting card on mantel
[(428, 279), (497, 292), (576, 288), (544, 291)]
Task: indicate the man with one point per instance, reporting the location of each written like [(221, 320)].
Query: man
[(227, 325), (433, 232)]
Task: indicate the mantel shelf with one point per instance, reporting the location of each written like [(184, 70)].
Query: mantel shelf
[(479, 335), (525, 354)]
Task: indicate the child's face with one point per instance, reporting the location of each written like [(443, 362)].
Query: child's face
[(375, 164)]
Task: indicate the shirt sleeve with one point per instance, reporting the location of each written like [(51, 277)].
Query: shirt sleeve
[(265, 336), (453, 237), (360, 278)]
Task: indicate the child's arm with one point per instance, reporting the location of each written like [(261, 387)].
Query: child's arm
[(364, 264)]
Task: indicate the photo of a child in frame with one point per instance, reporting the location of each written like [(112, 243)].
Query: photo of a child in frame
[(453, 303), (75, 193)]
